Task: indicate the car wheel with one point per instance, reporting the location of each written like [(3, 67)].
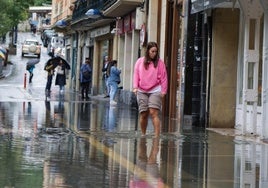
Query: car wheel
[(22, 54), (38, 56)]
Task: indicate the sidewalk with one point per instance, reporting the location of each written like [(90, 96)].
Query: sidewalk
[(7, 70)]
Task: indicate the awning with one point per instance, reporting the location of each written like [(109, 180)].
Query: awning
[(200, 5)]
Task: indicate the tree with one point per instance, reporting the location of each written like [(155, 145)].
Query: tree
[(42, 2), (16, 11)]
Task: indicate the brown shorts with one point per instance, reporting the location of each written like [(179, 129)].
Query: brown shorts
[(149, 100)]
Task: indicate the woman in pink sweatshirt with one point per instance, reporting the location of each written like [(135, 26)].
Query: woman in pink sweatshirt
[(150, 86)]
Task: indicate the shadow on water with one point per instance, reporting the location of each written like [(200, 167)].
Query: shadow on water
[(90, 144)]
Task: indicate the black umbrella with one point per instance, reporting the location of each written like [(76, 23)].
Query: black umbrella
[(33, 62), (67, 66), (56, 61)]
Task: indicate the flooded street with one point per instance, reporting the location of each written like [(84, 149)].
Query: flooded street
[(67, 142)]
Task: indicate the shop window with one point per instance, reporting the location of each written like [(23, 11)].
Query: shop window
[(252, 33), (250, 75)]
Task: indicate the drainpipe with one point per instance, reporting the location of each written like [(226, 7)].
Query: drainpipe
[(264, 132), (204, 70), (77, 63), (77, 85)]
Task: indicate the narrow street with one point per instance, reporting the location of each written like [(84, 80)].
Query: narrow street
[(69, 142)]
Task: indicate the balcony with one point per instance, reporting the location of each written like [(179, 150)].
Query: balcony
[(119, 8), (81, 7)]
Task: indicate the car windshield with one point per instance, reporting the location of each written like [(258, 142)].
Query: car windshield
[(31, 42)]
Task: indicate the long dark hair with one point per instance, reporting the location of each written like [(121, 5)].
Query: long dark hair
[(147, 58), (111, 63)]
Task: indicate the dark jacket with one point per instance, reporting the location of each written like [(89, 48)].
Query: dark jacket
[(85, 67)]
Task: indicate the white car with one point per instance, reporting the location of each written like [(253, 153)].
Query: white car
[(55, 43), (31, 47)]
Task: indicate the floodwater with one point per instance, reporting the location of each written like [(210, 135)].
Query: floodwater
[(69, 143), (90, 144)]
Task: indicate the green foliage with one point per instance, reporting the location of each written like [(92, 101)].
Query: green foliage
[(42, 2), (16, 11)]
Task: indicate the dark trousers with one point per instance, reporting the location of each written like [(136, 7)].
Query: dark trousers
[(49, 82), (30, 77), (85, 89)]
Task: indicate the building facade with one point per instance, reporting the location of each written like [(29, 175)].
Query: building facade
[(226, 67), (215, 53)]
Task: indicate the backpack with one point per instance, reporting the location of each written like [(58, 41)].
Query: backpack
[(86, 73), (28, 67)]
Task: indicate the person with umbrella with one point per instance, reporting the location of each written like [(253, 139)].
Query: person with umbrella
[(30, 67), (61, 65), (61, 68), (49, 67)]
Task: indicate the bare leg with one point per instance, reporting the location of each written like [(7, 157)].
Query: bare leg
[(156, 121), (144, 121)]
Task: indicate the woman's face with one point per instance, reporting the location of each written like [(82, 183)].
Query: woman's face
[(153, 52)]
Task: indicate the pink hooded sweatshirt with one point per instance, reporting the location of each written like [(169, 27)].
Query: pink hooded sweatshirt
[(147, 80)]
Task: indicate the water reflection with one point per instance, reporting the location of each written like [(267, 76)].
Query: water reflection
[(59, 114), (84, 120), (146, 170), (85, 151), (251, 166)]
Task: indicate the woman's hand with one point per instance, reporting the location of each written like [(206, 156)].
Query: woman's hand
[(135, 91)]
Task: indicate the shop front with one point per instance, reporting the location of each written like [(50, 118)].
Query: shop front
[(103, 46)]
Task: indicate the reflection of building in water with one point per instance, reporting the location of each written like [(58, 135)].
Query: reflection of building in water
[(251, 166)]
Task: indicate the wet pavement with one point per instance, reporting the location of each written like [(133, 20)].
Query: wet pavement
[(69, 142)]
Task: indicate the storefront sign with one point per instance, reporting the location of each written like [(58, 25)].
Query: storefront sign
[(127, 23), (100, 31), (120, 26), (133, 20)]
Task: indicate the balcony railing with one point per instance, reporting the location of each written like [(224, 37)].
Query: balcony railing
[(82, 6), (108, 4)]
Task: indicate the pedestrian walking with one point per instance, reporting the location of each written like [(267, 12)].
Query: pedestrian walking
[(105, 77), (113, 80), (61, 76), (49, 67), (150, 86), (85, 78), (30, 65), (30, 69)]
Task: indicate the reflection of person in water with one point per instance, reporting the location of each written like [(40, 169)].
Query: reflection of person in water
[(112, 119), (59, 114), (84, 123), (29, 109), (146, 172), (49, 120)]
